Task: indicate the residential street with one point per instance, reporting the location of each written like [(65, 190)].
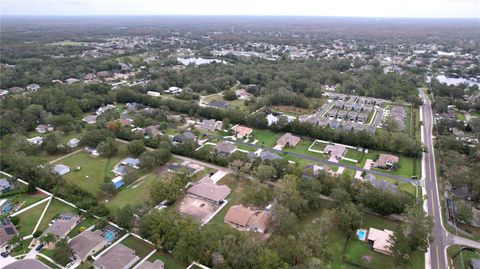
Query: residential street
[(442, 238)]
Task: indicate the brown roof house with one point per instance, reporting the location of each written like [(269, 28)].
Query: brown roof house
[(157, 264), (288, 140), (210, 191), (64, 223), (7, 231), (118, 257), (210, 125), (247, 219), (242, 131), (386, 161), (87, 244), (380, 240)]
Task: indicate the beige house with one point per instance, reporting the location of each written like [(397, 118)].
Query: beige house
[(242, 131), (380, 240), (118, 257), (64, 223), (87, 244), (386, 161), (247, 219), (288, 140)]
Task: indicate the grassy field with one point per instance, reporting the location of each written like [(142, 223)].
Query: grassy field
[(28, 219), (56, 207), (135, 195), (353, 154), (170, 262), (319, 146), (141, 247), (406, 187), (93, 171), (408, 167), (302, 148), (266, 138), (235, 104), (247, 148), (47, 262), (68, 43), (460, 116)]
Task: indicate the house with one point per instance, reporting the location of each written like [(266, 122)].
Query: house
[(288, 140), (332, 113), (33, 87), (352, 116), (475, 263), (225, 148), (347, 126), (361, 117), (87, 243), (16, 90), (247, 219), (210, 125), (154, 94), (44, 128), (341, 114), (357, 107), (3, 93), (174, 90), (339, 104), (358, 127), (242, 131), (90, 119), (242, 94), (157, 264), (380, 240), (219, 104), (118, 182), (125, 122), (61, 169), (152, 130), (371, 129), (7, 231), (381, 184), (118, 257), (314, 170), (72, 80), (184, 137), (386, 161), (63, 224), (37, 140), (120, 170), (104, 109), (333, 124), (26, 264), (132, 106), (72, 143), (132, 162), (92, 151), (210, 191), (5, 185)]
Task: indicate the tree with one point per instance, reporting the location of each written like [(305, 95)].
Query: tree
[(136, 147), (348, 218), (417, 228), (240, 168), (107, 148), (169, 187), (463, 212), (265, 172), (229, 95), (62, 252), (257, 194), (48, 239), (283, 220), (124, 217)]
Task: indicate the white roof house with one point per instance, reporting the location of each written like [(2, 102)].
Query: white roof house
[(61, 169), (37, 140), (73, 142), (154, 94)]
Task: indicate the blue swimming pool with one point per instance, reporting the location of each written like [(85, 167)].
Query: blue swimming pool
[(109, 235), (361, 234)]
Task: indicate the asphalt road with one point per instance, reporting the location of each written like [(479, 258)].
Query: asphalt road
[(442, 238)]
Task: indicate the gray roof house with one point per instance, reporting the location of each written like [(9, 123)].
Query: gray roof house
[(341, 114), (118, 257), (347, 126), (333, 124), (61, 169), (90, 119), (26, 264), (7, 231), (157, 264), (352, 115), (73, 142), (33, 87), (64, 223), (475, 263), (209, 125), (87, 244), (225, 148), (267, 155), (381, 184), (5, 185)]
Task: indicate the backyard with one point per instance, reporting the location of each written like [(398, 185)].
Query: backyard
[(170, 262), (54, 209), (28, 219), (137, 194), (142, 248), (266, 138), (93, 171)]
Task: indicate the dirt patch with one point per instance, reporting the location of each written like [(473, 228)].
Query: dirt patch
[(293, 110)]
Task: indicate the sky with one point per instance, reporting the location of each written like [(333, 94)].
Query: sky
[(346, 8)]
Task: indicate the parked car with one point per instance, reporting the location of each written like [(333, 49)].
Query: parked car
[(39, 247)]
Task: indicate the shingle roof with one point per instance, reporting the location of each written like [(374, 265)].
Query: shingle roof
[(210, 191)]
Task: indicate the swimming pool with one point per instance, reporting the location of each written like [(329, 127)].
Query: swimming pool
[(361, 234)]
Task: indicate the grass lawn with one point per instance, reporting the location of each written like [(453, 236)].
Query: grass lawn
[(247, 148), (170, 262), (408, 166), (403, 186), (137, 194), (28, 219), (235, 104), (97, 169), (302, 148), (54, 209), (233, 198), (464, 257), (319, 146), (460, 116), (85, 223), (141, 247), (86, 264), (26, 199), (47, 262), (349, 172), (266, 138), (353, 154)]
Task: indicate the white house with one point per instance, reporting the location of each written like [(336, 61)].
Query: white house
[(73, 142), (37, 140), (174, 90), (154, 94), (61, 169)]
